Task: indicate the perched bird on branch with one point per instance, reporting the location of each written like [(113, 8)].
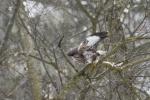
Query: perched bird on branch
[(86, 52)]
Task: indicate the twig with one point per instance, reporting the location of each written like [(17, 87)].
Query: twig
[(57, 67), (9, 27), (59, 45)]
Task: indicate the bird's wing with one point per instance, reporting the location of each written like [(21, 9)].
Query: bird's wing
[(89, 42), (92, 40)]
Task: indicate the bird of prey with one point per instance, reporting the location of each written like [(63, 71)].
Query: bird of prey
[(86, 52)]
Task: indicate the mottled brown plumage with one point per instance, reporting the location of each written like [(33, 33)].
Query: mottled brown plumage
[(86, 52)]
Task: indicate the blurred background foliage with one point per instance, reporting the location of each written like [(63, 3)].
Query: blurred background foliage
[(34, 64)]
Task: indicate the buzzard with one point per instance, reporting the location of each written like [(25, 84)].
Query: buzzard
[(86, 52)]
